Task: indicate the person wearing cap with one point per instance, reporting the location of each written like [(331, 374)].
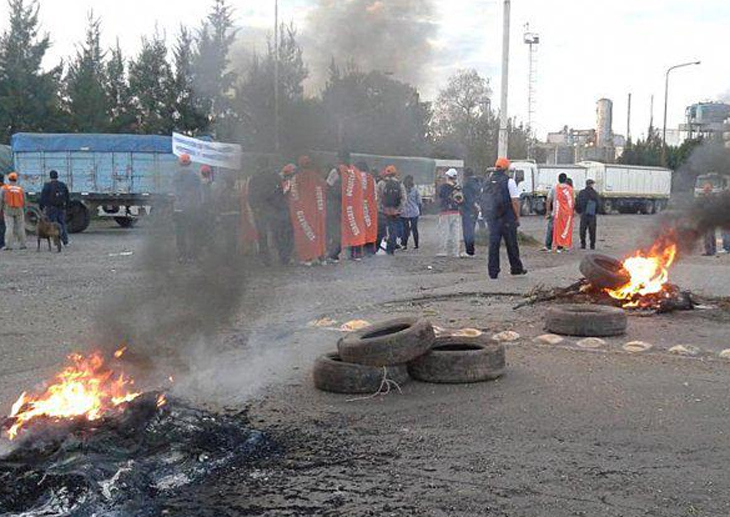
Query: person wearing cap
[(54, 202), (391, 196), (187, 206), (12, 204), (450, 227), (587, 206), (503, 219)]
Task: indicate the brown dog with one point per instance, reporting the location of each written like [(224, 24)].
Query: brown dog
[(48, 230)]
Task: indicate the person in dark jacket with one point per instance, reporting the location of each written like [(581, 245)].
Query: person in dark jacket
[(450, 199), (271, 213), (187, 207), (470, 210), (587, 206), (54, 202)]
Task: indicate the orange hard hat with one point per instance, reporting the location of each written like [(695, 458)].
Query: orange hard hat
[(390, 170), (503, 163), (289, 169), (185, 159), (206, 171), (13, 176)]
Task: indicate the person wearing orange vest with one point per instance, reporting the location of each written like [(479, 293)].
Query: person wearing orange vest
[(13, 208)]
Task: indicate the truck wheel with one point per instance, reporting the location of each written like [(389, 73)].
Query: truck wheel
[(460, 360), (649, 207), (525, 206), (33, 214), (78, 217), (336, 376), (607, 206), (126, 222), (586, 321)]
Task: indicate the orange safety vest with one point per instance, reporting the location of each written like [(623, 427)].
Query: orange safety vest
[(14, 196)]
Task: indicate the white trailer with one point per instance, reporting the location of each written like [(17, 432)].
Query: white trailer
[(630, 188), (626, 188)]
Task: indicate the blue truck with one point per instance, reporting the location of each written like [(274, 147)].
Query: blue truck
[(112, 175)]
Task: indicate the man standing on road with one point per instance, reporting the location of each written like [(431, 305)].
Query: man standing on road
[(563, 213), (587, 206), (12, 204), (187, 209), (391, 196), (450, 200), (549, 210), (54, 201), (503, 219), (2, 217), (470, 211)]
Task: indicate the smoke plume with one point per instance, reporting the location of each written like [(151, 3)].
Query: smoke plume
[(393, 36)]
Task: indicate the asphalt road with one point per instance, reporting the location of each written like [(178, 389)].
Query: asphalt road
[(566, 432)]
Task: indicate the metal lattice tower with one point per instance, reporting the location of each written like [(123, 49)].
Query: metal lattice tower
[(532, 39)]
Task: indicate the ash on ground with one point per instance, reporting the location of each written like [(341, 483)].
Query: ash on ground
[(121, 466)]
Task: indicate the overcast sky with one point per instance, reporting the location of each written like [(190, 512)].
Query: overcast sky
[(590, 48)]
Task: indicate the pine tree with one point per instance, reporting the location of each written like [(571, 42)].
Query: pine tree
[(152, 85), (189, 117), (213, 80), (29, 97), (86, 97), (121, 110)]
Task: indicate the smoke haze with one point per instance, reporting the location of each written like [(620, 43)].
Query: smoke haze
[(394, 36)]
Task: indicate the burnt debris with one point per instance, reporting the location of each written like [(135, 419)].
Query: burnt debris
[(128, 464)]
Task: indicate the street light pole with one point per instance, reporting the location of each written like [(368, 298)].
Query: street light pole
[(503, 115), (666, 104), (277, 143)]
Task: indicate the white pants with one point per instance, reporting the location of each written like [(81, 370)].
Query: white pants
[(450, 234), (14, 228)]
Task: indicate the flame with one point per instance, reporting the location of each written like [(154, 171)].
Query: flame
[(649, 273), (161, 400), (86, 388), (119, 353)]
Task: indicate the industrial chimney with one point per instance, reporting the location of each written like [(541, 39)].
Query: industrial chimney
[(604, 126)]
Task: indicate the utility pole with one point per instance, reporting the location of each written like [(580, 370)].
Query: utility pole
[(666, 104), (531, 39), (277, 142), (503, 116), (628, 121)]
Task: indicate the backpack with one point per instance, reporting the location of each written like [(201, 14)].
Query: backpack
[(57, 197), (494, 201), (392, 195)]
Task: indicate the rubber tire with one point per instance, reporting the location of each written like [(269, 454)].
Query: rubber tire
[(333, 375), (607, 207), (398, 341), (604, 272), (126, 222), (586, 321), (448, 362), (78, 217)]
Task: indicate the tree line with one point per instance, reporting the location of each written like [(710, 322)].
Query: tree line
[(189, 85)]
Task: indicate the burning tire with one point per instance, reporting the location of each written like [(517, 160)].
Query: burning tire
[(336, 376), (460, 360), (586, 321), (604, 272), (393, 342)]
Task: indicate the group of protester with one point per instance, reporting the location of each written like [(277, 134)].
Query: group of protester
[(52, 203)]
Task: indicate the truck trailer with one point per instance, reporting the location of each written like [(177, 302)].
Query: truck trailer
[(625, 188), (114, 175)]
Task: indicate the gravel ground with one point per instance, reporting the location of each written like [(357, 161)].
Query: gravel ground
[(566, 432)]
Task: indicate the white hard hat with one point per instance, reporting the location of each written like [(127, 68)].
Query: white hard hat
[(452, 173)]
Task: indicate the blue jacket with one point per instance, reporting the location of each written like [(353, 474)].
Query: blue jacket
[(412, 207)]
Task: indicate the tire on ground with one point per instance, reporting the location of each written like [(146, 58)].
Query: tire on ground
[(604, 272), (336, 376), (398, 341), (586, 321), (460, 360)]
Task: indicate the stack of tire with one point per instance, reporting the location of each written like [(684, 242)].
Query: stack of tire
[(402, 349)]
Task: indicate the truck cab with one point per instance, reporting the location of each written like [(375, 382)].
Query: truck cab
[(718, 182)]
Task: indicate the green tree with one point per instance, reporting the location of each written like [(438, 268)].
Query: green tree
[(87, 101), (121, 110), (189, 116), (213, 80), (29, 96), (152, 86)]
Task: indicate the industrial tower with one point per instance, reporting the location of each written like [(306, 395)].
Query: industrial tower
[(532, 39)]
